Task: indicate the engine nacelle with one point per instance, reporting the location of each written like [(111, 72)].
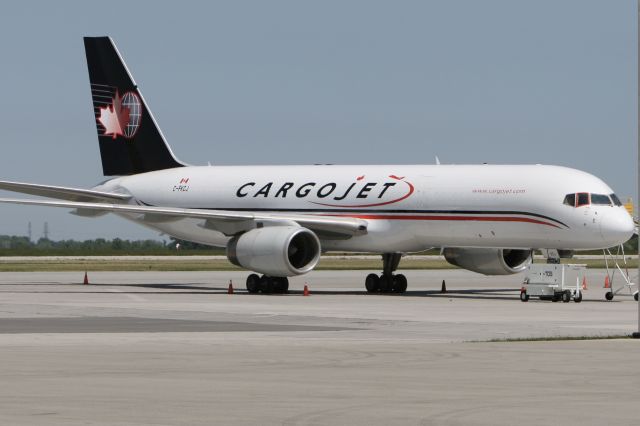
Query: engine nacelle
[(279, 251), (489, 261)]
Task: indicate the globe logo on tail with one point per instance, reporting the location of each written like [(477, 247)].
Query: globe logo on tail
[(122, 117)]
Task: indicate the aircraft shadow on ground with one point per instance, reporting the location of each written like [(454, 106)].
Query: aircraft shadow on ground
[(479, 294), (465, 293), (485, 294)]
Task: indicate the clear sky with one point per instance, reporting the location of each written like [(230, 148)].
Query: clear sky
[(301, 82)]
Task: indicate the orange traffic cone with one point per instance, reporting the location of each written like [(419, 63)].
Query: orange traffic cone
[(86, 278), (584, 283), (444, 287), (306, 290), (230, 290), (607, 284)]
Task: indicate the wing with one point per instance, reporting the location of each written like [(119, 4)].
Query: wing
[(227, 222), (62, 193)]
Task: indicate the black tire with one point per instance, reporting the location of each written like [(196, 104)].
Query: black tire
[(578, 297), (372, 283), (266, 284), (280, 284), (524, 297), (386, 284), (275, 285), (635, 296), (253, 283), (399, 283), (566, 297), (555, 297), (608, 295)]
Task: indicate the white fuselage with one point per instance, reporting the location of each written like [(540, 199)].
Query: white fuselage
[(409, 208)]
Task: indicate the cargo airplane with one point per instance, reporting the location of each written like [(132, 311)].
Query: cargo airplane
[(277, 220)]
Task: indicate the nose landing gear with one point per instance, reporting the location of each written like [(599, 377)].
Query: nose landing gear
[(388, 282)]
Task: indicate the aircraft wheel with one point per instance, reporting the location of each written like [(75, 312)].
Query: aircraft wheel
[(253, 283), (386, 283), (266, 284), (578, 297), (608, 295), (524, 297), (284, 285), (555, 298), (399, 283), (635, 296), (276, 285), (280, 284), (372, 283), (566, 297)]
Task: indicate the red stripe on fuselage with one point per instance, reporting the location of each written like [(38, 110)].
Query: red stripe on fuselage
[(452, 218)]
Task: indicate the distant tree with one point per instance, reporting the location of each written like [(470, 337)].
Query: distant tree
[(21, 245), (44, 243), (19, 242), (117, 244), (187, 245), (631, 246)]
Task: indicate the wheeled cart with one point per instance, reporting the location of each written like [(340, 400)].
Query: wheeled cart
[(613, 258), (553, 282)]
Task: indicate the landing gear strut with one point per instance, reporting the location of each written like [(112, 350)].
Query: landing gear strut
[(267, 285), (388, 282)]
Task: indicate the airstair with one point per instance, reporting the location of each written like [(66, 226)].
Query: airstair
[(616, 266)]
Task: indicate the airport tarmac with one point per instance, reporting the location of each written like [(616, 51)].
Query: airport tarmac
[(166, 348)]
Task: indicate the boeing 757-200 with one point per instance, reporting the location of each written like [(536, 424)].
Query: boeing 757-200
[(277, 220)]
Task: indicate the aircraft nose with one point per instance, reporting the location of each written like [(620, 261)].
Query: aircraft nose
[(617, 227)]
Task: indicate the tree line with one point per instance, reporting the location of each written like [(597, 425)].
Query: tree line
[(11, 245)]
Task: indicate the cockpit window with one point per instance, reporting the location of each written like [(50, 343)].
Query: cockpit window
[(570, 200), (583, 199), (600, 199), (616, 200)]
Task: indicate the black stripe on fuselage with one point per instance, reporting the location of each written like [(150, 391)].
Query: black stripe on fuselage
[(378, 211)]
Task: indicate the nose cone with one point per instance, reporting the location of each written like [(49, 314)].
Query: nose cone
[(616, 227)]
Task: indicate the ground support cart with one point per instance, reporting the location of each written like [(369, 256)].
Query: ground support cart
[(553, 282), (612, 264)]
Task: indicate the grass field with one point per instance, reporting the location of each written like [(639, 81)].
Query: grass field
[(219, 264)]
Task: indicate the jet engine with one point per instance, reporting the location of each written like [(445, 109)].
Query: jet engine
[(278, 251), (489, 261)]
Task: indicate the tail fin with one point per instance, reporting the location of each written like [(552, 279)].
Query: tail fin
[(130, 140)]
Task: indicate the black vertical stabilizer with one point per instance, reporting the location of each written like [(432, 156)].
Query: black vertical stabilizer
[(130, 140)]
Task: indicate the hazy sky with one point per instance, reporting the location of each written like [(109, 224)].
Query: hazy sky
[(301, 82)]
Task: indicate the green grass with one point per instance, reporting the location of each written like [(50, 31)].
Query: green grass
[(36, 252), (595, 263), (186, 264)]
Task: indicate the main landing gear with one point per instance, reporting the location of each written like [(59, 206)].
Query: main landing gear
[(267, 285), (388, 282)]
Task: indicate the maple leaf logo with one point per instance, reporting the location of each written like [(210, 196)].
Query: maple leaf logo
[(114, 118)]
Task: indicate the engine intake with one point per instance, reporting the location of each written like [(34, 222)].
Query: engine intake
[(489, 261), (279, 251)]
